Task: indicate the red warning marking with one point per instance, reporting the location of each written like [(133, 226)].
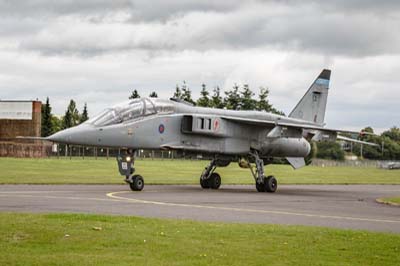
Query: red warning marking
[(216, 125)]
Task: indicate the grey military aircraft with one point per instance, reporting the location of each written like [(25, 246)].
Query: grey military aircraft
[(251, 138)]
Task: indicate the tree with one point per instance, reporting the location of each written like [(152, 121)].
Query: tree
[(56, 123), (153, 94), (204, 100), (85, 116), (67, 120), (263, 103), (178, 92), (187, 94), (216, 99), (329, 150), (246, 100), (47, 127), (74, 112), (392, 149), (134, 95), (393, 134), (71, 117), (232, 99)]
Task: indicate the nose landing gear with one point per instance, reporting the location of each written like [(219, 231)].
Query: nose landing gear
[(125, 167)]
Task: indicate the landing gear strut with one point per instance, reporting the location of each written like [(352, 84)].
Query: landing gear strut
[(210, 179), (263, 183), (125, 166)]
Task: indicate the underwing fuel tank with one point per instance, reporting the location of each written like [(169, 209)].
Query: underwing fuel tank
[(286, 147)]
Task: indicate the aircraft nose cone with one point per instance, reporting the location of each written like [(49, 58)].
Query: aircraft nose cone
[(74, 135), (61, 136)]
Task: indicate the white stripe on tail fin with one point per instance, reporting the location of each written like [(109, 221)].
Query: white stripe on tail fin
[(313, 104)]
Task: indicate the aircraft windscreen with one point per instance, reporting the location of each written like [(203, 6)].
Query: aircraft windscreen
[(119, 113), (131, 110)]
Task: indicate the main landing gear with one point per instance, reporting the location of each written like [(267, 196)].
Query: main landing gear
[(210, 179), (125, 166), (263, 183)]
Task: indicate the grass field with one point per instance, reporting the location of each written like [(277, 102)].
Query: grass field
[(72, 239), (392, 201), (90, 171)]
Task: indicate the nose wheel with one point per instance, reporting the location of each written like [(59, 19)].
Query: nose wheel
[(136, 183), (125, 166)]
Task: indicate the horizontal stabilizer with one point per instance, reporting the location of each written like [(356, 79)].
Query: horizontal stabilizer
[(296, 162), (357, 141)]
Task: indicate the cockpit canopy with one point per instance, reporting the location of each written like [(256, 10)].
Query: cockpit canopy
[(131, 110)]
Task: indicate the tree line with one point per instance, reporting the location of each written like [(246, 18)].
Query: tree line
[(238, 98), (52, 124), (388, 141)]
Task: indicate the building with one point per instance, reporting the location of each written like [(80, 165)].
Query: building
[(21, 118)]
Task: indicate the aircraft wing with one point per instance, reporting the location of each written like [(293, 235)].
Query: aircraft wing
[(31, 138), (317, 132), (305, 125)]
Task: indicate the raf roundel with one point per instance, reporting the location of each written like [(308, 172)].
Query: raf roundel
[(161, 128)]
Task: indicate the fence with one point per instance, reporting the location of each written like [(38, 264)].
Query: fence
[(355, 163), (73, 151), (45, 149), (25, 150)]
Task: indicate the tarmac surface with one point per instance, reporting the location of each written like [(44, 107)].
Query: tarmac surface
[(340, 206)]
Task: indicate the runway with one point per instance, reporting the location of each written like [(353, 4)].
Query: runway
[(339, 206)]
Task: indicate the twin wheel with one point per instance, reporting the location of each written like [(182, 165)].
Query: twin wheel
[(214, 181), (269, 184)]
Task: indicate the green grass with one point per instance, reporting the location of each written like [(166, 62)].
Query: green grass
[(392, 201), (90, 171), (72, 239)]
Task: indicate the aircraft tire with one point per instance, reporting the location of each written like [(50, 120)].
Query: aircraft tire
[(137, 183), (260, 187), (270, 184), (214, 181), (205, 183)]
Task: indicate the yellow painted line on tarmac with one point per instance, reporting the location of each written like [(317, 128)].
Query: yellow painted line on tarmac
[(113, 195)]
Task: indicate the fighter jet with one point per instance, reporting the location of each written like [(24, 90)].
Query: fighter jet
[(250, 138)]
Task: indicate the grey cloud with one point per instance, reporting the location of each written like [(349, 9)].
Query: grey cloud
[(158, 10), (99, 27)]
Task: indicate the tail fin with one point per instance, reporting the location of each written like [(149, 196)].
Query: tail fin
[(313, 104)]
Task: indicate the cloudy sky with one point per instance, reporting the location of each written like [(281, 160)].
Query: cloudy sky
[(98, 51)]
